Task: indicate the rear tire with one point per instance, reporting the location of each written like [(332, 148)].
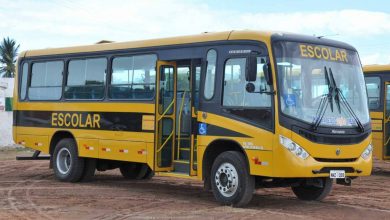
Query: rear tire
[(142, 171), (67, 165), (231, 181), (311, 192), (89, 170), (149, 175), (136, 171), (130, 170)]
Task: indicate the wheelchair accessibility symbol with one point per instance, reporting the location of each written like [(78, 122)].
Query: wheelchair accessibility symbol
[(202, 128), (290, 100)]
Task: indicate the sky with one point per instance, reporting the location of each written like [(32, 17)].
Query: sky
[(37, 24)]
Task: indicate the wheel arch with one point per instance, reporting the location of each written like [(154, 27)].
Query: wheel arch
[(215, 148), (57, 136)]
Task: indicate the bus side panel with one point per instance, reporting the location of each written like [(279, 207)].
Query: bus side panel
[(377, 141), (88, 147), (123, 150), (256, 142), (377, 134), (36, 142)]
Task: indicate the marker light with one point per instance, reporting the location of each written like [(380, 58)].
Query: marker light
[(367, 152), (293, 147)]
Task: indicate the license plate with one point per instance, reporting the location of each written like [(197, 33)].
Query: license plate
[(337, 174)]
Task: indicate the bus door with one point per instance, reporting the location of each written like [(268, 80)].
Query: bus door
[(165, 121), (386, 121), (195, 85), (188, 77)]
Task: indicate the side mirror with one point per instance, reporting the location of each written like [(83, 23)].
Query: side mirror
[(251, 72), (250, 87), (267, 73)]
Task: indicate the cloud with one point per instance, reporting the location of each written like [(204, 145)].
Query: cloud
[(40, 24)]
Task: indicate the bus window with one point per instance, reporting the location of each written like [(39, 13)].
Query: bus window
[(46, 81), (255, 106), (209, 84), (235, 93), (133, 77), (86, 79), (183, 79), (373, 92), (23, 82)]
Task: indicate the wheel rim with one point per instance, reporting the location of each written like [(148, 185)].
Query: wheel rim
[(226, 179), (64, 161)]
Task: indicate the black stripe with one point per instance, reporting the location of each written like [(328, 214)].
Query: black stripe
[(214, 130), (111, 121)]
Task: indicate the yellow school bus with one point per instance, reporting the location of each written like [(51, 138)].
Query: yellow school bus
[(238, 110), (378, 90)]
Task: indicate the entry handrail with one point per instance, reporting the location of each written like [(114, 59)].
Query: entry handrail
[(166, 110), (179, 128), (165, 142)]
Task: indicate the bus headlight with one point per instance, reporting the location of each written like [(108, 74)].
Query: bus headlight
[(367, 152), (293, 147)]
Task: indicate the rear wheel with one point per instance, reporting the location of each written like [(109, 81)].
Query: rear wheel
[(149, 175), (230, 179), (67, 165), (318, 189), (89, 170), (136, 171)]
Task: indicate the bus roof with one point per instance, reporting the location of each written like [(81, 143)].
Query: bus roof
[(376, 68), (264, 36)]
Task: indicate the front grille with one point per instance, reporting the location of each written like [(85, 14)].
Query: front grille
[(332, 139), (328, 160)]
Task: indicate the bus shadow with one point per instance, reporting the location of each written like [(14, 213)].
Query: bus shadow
[(381, 172), (189, 190)]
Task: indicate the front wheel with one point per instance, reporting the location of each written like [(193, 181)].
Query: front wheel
[(316, 189), (230, 179)]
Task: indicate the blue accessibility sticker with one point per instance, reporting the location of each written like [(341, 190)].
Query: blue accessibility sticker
[(202, 129), (290, 100)]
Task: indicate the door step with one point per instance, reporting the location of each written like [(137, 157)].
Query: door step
[(177, 175), (181, 166)]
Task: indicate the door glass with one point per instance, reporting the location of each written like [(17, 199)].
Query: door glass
[(166, 139), (387, 122), (373, 92), (166, 90), (197, 84)]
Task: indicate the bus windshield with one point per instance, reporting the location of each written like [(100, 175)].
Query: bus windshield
[(302, 70)]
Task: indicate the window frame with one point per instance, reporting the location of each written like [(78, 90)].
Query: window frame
[(20, 79), (29, 78), (111, 70), (223, 86), (66, 77), (381, 92), (215, 75)]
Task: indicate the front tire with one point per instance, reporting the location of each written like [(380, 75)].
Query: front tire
[(310, 192), (231, 181), (67, 165)]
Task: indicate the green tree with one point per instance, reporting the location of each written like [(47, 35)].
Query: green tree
[(8, 56)]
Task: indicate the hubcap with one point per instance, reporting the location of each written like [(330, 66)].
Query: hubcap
[(226, 179), (64, 161)]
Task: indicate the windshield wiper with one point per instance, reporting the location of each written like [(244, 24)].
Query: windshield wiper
[(338, 95), (325, 100)]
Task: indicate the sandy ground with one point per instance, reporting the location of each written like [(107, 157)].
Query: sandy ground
[(28, 190)]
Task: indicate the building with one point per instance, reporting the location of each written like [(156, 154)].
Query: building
[(6, 94)]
